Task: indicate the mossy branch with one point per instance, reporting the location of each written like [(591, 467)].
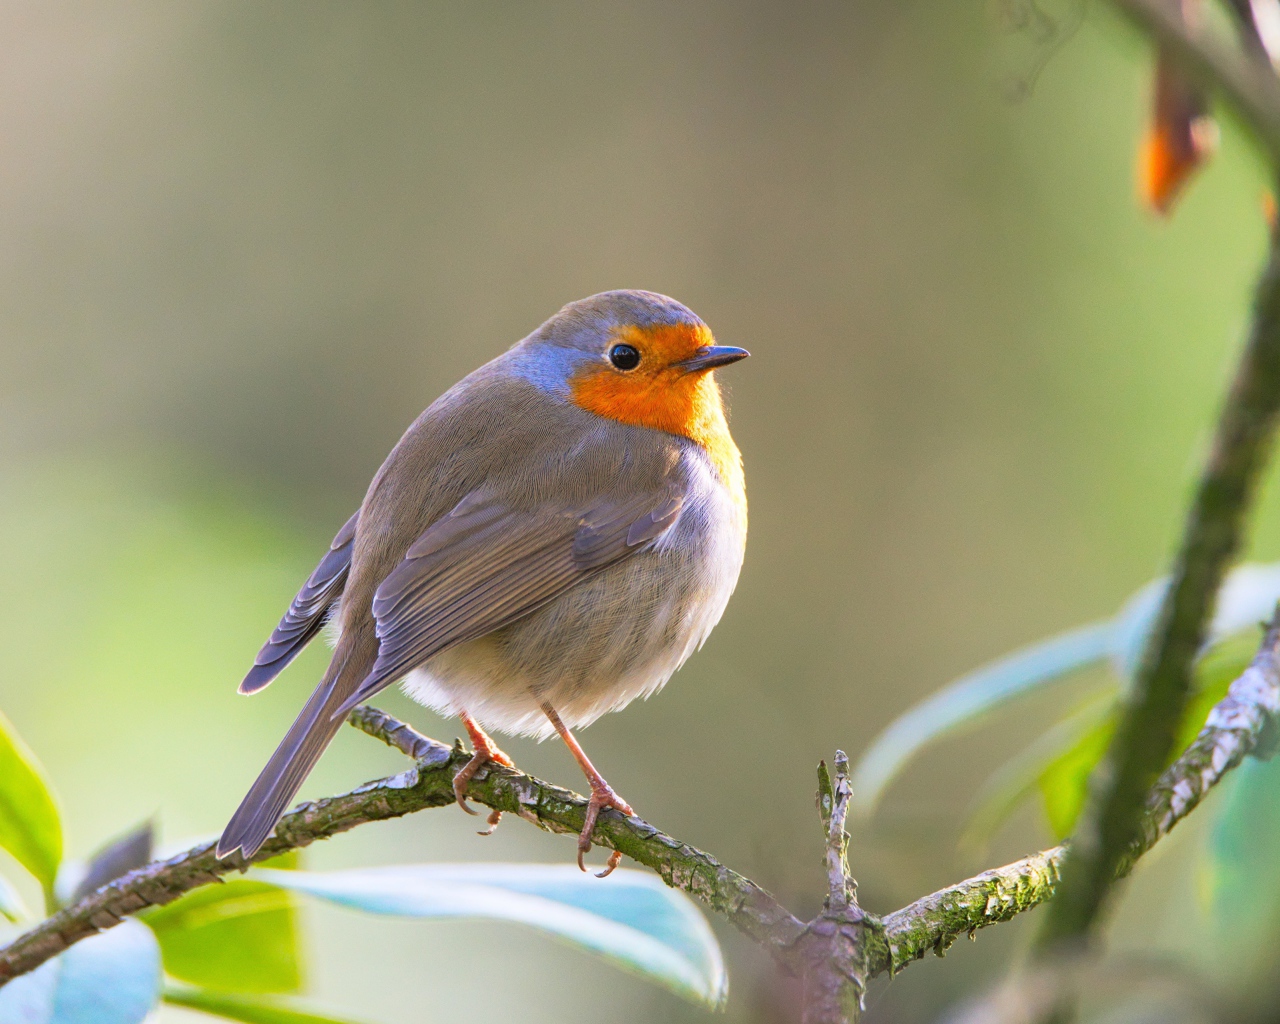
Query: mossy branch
[(429, 783), (1239, 724), (869, 946)]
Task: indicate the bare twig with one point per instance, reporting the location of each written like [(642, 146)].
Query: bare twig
[(841, 889), (844, 943)]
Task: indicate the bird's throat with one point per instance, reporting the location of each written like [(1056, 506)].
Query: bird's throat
[(685, 404)]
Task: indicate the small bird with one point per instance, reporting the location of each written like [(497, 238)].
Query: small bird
[(548, 541)]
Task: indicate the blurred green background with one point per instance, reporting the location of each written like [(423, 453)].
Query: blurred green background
[(242, 245)]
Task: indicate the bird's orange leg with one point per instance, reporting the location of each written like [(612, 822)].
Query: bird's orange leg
[(602, 794), (485, 750)]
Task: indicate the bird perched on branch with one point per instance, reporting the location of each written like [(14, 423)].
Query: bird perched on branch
[(550, 540)]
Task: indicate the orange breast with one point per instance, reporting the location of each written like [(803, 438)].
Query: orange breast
[(660, 397)]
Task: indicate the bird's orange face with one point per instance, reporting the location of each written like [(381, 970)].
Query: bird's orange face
[(661, 377)]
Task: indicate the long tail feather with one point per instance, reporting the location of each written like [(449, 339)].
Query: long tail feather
[(297, 754)]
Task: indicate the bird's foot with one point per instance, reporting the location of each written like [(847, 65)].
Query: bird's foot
[(485, 752), (602, 796)]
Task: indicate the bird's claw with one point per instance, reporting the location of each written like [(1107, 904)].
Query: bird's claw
[(602, 796), (482, 757)]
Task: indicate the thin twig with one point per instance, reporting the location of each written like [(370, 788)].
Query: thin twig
[(842, 944), (839, 884)]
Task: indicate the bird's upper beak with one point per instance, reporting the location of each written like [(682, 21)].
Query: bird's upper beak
[(710, 356)]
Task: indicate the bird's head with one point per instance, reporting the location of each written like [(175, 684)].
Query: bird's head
[(636, 357)]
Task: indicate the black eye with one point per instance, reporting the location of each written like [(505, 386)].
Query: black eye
[(624, 357)]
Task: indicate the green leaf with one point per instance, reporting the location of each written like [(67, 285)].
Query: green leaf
[(11, 905), (241, 936), (631, 918), (1064, 784), (30, 828), (1214, 674), (1064, 781), (1020, 776), (1249, 595), (251, 1009), (110, 978), (966, 700)]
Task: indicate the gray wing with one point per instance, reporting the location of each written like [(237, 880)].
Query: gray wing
[(483, 566), (306, 613)]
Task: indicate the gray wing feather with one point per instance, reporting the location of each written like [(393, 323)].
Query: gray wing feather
[(484, 566), (306, 613)]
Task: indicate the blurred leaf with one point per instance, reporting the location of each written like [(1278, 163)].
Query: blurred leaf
[(631, 918), (1248, 596), (11, 905), (130, 851), (250, 1009), (962, 702), (30, 828), (1064, 782), (1132, 627), (1240, 881), (1180, 138), (241, 936), (1020, 776), (290, 860), (110, 978)]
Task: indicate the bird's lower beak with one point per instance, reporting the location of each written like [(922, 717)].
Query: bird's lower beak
[(710, 356)]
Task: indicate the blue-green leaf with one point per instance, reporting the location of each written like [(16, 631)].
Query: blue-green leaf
[(30, 828), (1248, 596), (631, 918), (964, 701), (1240, 879), (111, 978), (251, 1009)]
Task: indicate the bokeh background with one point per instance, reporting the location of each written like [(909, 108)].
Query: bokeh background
[(242, 245)]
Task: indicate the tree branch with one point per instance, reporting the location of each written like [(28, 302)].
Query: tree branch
[(429, 783), (1145, 735), (1242, 722), (1244, 78), (1238, 724)]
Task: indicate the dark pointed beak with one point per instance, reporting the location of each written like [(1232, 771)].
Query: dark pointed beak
[(710, 356)]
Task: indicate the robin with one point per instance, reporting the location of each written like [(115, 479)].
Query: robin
[(549, 540)]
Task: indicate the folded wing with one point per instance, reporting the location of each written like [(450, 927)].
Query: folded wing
[(484, 566), (306, 614)]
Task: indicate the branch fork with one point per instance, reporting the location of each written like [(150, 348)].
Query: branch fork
[(843, 946)]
